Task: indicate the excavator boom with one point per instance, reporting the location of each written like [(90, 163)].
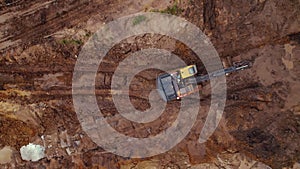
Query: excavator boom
[(234, 68)]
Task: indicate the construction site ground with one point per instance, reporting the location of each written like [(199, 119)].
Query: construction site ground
[(40, 41)]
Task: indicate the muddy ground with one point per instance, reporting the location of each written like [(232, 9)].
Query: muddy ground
[(40, 42)]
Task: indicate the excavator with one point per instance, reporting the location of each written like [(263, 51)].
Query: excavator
[(184, 81)]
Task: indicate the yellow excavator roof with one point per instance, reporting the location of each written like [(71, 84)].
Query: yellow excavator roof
[(188, 71)]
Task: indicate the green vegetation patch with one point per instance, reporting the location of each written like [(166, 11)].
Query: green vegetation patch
[(71, 41), (138, 19), (173, 10)]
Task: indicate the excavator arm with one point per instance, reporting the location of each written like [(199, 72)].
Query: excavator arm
[(236, 67)]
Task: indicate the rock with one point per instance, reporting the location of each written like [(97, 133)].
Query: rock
[(148, 165), (68, 151), (64, 139), (5, 155), (32, 152)]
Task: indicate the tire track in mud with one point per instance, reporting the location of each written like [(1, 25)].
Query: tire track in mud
[(48, 21)]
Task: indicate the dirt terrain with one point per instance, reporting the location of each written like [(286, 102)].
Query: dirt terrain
[(41, 40)]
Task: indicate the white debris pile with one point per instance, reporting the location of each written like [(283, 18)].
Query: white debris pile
[(32, 152), (5, 155)]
